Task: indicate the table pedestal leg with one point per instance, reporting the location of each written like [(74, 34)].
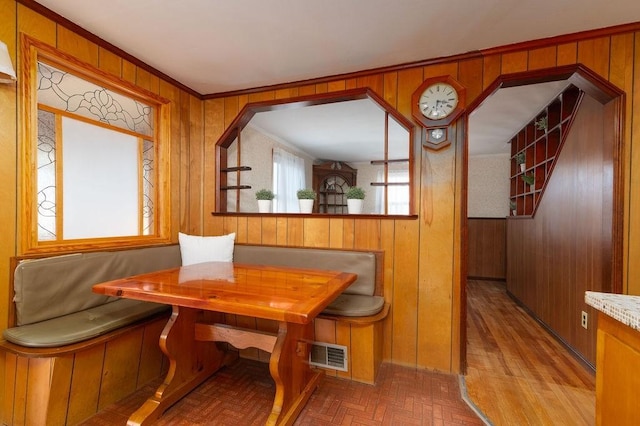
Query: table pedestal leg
[(190, 363), (289, 367)]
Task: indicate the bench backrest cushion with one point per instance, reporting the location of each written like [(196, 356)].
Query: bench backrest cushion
[(56, 286), (362, 263)]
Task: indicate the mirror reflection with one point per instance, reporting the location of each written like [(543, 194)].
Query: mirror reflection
[(328, 148)]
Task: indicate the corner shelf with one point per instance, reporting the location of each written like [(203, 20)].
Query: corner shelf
[(541, 147)]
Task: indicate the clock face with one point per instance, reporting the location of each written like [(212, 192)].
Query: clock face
[(438, 101)]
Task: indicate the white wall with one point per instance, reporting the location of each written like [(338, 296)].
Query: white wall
[(488, 186)]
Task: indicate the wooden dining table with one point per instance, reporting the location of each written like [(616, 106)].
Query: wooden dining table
[(202, 295)]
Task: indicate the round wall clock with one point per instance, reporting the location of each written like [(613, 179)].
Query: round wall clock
[(438, 101)]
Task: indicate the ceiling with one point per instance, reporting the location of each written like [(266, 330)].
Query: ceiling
[(214, 46)]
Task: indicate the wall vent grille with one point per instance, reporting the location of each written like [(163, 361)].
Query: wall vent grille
[(328, 355)]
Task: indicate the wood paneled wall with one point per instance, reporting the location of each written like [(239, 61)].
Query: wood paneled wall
[(423, 259), (486, 248), (565, 249), (186, 213)]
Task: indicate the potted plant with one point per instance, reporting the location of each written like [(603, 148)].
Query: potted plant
[(512, 205), (306, 197), (520, 159), (264, 197), (355, 198), (529, 180)]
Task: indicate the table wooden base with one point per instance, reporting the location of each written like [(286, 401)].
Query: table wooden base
[(187, 342)]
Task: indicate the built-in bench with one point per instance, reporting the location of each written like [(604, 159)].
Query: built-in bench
[(70, 352)]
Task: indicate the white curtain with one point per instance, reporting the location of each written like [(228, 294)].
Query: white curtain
[(397, 195), (288, 178)]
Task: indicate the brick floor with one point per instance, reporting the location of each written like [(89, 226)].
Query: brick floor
[(242, 394)]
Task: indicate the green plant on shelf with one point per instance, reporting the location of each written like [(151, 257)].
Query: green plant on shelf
[(306, 194), (520, 158), (528, 179), (541, 123), (512, 205), (264, 194), (355, 193)]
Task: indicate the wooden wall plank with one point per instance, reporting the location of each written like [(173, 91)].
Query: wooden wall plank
[(594, 53), (109, 62), (295, 232), (254, 230), (20, 393), (621, 68), (435, 300), (60, 379), (486, 248), (269, 231), (544, 57), (367, 234), (196, 172), (151, 357), (632, 266), (120, 370), (343, 337), (85, 385), (129, 71), (405, 293), (9, 385), (147, 81), (316, 232), (468, 72), (336, 232), (335, 86), (387, 238), (173, 94), (567, 54), (241, 230), (391, 88), (35, 25), (514, 62), (492, 69), (281, 231), (77, 46), (37, 390)]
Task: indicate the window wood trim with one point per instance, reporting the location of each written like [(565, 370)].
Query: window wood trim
[(32, 51)]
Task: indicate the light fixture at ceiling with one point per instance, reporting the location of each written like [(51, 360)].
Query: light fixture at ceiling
[(7, 73)]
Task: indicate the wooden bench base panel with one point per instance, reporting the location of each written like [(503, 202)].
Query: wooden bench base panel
[(60, 388)]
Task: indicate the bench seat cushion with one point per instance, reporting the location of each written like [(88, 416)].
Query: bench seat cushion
[(82, 325), (355, 305)]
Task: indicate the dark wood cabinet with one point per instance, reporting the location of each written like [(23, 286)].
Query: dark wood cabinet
[(540, 142), (330, 181)]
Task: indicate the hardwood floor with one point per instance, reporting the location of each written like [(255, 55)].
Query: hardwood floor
[(517, 373)]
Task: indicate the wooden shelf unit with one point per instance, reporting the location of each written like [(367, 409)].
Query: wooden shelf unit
[(540, 147)]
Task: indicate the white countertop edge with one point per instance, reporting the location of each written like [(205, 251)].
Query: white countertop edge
[(621, 307)]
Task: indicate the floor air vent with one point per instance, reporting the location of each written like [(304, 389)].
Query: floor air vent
[(327, 355)]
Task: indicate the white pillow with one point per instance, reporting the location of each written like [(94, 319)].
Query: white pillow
[(196, 249)]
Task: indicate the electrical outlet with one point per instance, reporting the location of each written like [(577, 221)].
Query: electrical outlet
[(585, 320)]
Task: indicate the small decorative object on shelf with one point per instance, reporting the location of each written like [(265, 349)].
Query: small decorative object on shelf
[(355, 198), (306, 197), (529, 180), (264, 197), (541, 123), (512, 206), (520, 159)]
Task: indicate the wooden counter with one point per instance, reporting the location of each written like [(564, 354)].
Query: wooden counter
[(618, 358)]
